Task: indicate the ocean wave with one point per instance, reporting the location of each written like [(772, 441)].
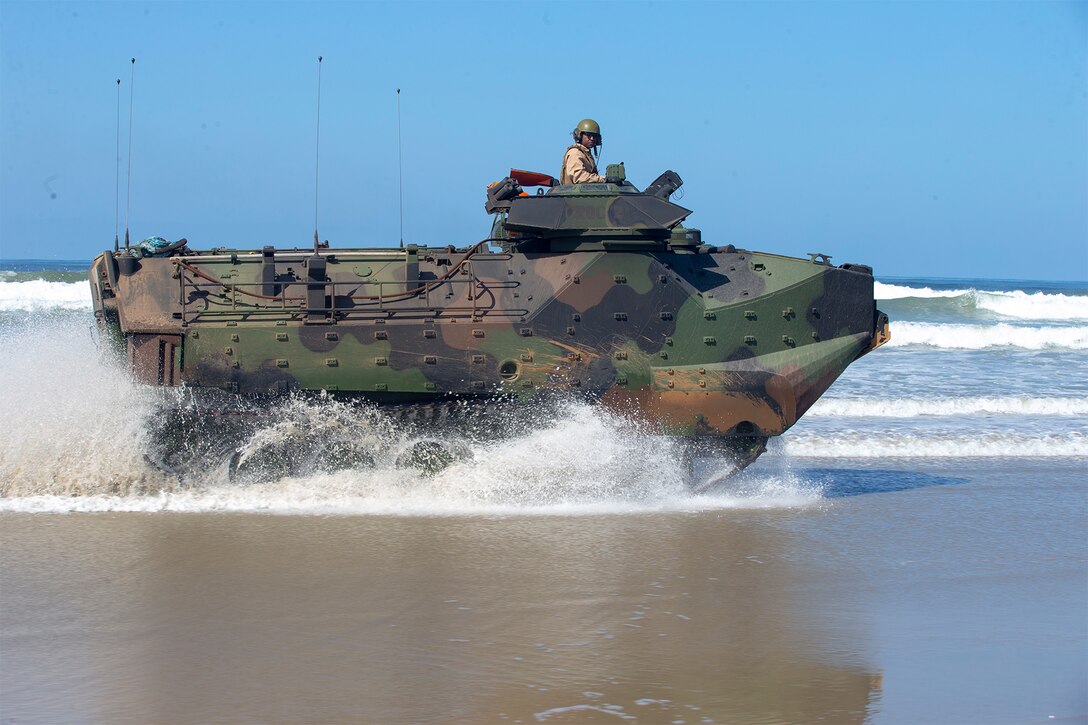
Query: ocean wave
[(979, 337), (886, 291), (916, 408), (859, 444), (1016, 304), (38, 295), (1034, 306)]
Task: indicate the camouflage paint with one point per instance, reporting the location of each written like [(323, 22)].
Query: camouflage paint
[(695, 339)]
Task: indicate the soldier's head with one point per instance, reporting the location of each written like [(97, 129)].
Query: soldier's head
[(587, 133)]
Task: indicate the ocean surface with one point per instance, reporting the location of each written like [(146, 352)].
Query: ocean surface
[(914, 550)]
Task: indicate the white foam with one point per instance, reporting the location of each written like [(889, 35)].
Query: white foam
[(83, 449), (74, 420), (385, 493), (1034, 306), (855, 444), (632, 475), (979, 337), (885, 291), (79, 430), (38, 294), (920, 407)]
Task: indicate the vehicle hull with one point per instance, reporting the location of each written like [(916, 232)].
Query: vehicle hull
[(696, 342)]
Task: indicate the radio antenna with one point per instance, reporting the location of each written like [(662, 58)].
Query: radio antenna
[(128, 192), (117, 176), (400, 174), (317, 149)]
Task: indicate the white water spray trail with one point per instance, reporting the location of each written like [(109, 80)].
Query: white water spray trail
[(77, 423)]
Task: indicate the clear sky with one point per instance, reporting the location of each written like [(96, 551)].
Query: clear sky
[(923, 138)]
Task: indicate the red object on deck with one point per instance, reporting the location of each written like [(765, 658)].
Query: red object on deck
[(533, 178)]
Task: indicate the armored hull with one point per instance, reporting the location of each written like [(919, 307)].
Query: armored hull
[(594, 291)]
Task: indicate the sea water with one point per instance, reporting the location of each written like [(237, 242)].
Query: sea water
[(913, 550)]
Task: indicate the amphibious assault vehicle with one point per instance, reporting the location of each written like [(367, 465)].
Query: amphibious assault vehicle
[(590, 290)]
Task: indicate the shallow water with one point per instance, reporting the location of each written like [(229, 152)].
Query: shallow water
[(899, 595), (913, 551)]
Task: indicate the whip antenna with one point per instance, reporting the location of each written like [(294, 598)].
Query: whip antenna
[(317, 149), (128, 192), (117, 176), (400, 174)]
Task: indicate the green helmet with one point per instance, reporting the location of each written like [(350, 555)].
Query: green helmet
[(586, 125)]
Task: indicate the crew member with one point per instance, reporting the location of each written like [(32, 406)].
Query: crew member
[(579, 164)]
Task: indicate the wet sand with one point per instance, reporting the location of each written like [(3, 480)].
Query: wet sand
[(921, 594)]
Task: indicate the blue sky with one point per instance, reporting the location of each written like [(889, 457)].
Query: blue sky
[(923, 138)]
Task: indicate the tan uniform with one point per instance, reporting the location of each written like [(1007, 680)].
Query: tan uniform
[(579, 166)]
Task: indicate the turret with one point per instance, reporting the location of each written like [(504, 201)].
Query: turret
[(579, 214)]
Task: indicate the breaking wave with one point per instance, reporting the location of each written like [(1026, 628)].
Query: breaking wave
[(36, 295), (856, 444), (885, 291), (979, 337), (1034, 306), (1017, 304), (916, 408)]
